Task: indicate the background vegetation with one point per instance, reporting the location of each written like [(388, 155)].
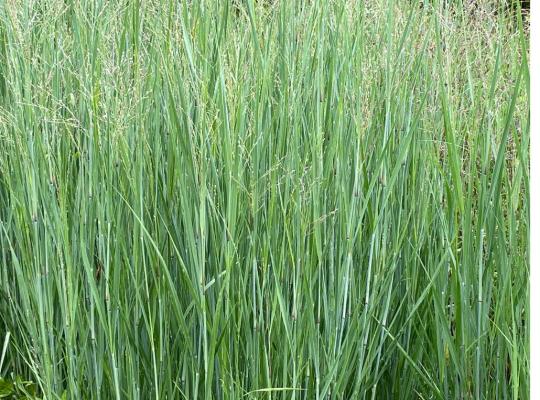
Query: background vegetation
[(263, 200)]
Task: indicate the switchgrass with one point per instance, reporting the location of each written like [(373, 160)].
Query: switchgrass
[(264, 200)]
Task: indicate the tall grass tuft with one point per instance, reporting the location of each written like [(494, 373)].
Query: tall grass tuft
[(264, 199)]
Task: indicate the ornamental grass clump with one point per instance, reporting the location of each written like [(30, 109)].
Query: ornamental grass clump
[(264, 200)]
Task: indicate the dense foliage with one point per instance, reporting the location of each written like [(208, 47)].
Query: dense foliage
[(264, 200)]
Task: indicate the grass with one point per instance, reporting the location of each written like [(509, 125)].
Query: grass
[(264, 200)]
